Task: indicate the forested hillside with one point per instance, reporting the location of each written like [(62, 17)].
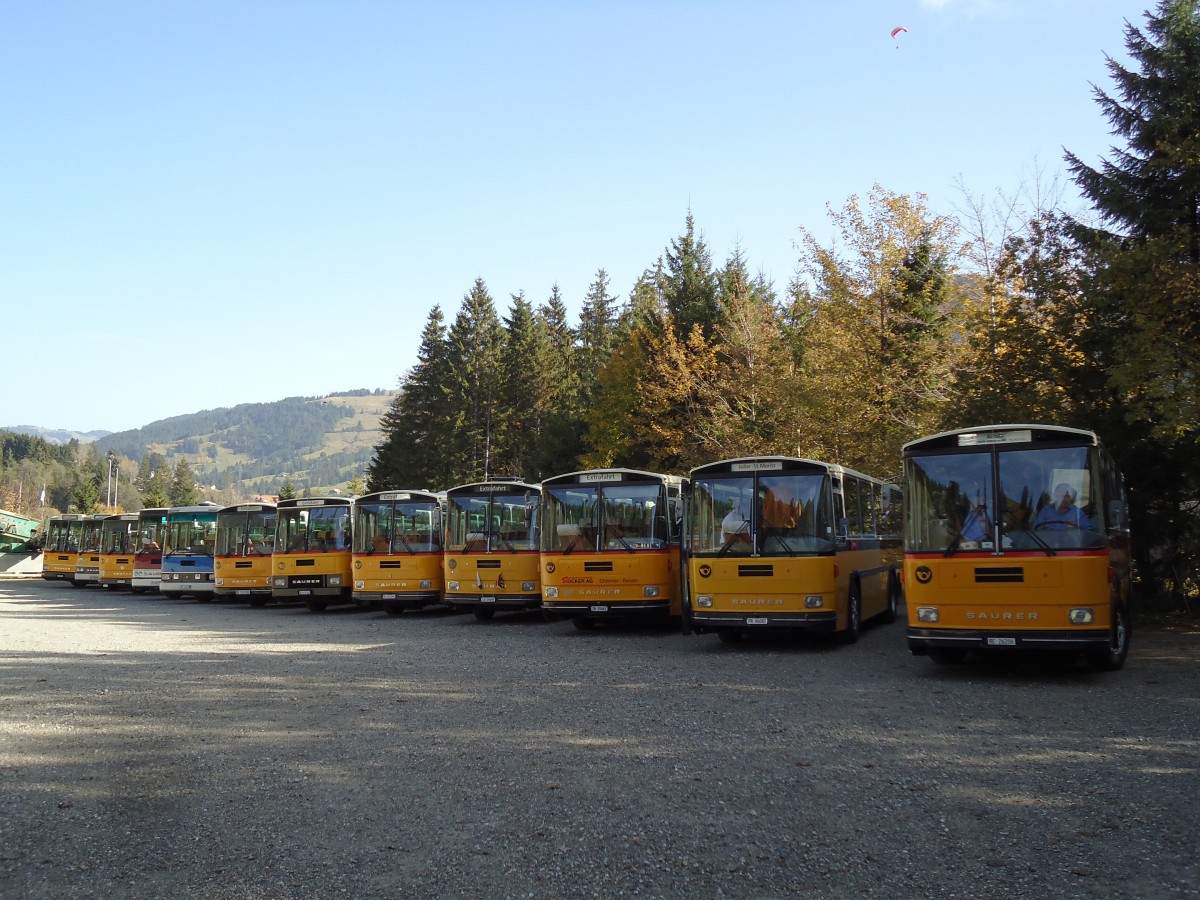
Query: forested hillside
[(297, 445)]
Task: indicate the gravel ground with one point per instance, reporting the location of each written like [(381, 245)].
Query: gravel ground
[(169, 748)]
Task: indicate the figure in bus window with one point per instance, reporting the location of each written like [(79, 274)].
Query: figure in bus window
[(1062, 512), (977, 526)]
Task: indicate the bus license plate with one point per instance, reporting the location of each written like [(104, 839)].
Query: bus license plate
[(599, 609), (1001, 642), (389, 596), (242, 593), (303, 593), (757, 620), (487, 599)]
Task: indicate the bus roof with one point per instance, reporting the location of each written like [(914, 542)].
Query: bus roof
[(987, 435), (600, 476)]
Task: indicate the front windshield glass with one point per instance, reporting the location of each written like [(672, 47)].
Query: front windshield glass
[(117, 536), (398, 527), (313, 529), (89, 541), (1046, 501), (493, 521), (194, 534), (151, 533), (627, 516), (246, 532), (744, 515)]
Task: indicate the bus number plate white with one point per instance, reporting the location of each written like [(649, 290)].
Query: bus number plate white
[(303, 593), (756, 620), (487, 599), (242, 593), (599, 609), (1001, 642)]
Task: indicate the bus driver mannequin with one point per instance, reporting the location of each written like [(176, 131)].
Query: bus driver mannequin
[(1062, 511)]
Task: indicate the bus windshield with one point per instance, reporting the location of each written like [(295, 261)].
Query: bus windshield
[(193, 535), (618, 516), (492, 521), (398, 527), (1040, 499), (743, 515), (314, 529), (246, 532)]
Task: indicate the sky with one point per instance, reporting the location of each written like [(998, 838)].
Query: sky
[(204, 204)]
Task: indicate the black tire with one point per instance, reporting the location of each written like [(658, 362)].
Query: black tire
[(317, 605), (729, 636), (888, 616), (484, 613), (853, 614), (1112, 657), (947, 656)]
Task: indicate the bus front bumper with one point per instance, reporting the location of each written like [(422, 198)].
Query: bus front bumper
[(493, 601), (922, 640), (610, 609), (705, 620)]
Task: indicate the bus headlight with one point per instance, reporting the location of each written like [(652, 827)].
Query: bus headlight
[(1083, 615), (927, 614), (528, 586), (704, 601), (334, 581), (550, 592), (814, 601), (649, 590), (280, 582), (220, 582), (424, 584), (359, 585), (452, 585)]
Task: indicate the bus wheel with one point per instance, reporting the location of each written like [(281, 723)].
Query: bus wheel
[(316, 605), (853, 614), (484, 613), (1113, 656), (729, 636), (947, 655), (893, 599)]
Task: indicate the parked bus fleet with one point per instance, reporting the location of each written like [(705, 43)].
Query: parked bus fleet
[(999, 538)]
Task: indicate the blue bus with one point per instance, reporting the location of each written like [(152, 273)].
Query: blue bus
[(187, 560)]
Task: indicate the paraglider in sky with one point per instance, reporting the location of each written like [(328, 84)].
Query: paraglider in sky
[(898, 29)]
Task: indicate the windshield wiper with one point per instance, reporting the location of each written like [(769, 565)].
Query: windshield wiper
[(507, 546), (780, 541), (617, 535), (1039, 540)]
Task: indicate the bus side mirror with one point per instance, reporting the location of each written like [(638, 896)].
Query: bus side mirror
[(843, 528), (1116, 515)]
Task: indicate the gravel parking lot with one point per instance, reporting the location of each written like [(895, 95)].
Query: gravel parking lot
[(168, 748)]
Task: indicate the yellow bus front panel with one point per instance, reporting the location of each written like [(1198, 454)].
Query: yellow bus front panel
[(319, 579), (246, 577), (398, 582), (638, 583), (987, 601), (491, 581)]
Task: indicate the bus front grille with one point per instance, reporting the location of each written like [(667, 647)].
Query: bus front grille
[(597, 567), (756, 571), (999, 574)]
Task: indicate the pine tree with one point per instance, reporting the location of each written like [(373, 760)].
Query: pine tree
[(183, 485), (473, 385), (691, 286), (416, 426), (1143, 294), (521, 414)]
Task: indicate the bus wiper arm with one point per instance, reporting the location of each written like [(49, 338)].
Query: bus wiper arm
[(953, 548), (507, 546), (1040, 541), (617, 535)]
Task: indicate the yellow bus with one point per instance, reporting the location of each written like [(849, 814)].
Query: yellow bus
[(1016, 537), (398, 550), (61, 553), (491, 558), (610, 546), (147, 563), (312, 558), (779, 543), (118, 548), (242, 561), (87, 564)]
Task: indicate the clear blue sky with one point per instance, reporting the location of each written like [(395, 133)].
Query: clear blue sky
[(207, 204)]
